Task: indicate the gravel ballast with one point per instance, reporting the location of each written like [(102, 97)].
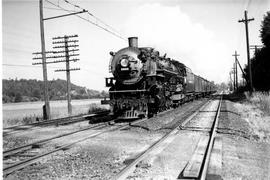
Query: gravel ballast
[(242, 128)]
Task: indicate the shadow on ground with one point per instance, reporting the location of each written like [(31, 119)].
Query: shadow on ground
[(235, 97)]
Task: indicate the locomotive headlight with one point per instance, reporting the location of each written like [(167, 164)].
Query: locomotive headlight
[(124, 62)]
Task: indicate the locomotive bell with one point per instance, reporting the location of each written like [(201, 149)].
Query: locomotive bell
[(133, 42)]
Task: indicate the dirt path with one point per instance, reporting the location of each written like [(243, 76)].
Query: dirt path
[(246, 150)]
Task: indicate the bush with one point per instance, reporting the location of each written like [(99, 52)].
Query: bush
[(22, 121), (18, 97)]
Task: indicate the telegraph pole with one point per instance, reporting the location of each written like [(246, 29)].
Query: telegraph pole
[(47, 114), (46, 110), (65, 43), (68, 76), (246, 20), (235, 65), (256, 48), (67, 51), (234, 77), (232, 82)]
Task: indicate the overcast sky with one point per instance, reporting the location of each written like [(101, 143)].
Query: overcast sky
[(202, 34)]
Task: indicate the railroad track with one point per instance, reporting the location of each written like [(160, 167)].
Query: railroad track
[(28, 155), (124, 173), (201, 171), (57, 122)]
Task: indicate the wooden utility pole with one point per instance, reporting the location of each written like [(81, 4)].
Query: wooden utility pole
[(46, 110), (246, 20), (47, 114), (68, 50), (234, 81), (231, 80), (68, 76), (65, 44), (235, 66), (256, 48)]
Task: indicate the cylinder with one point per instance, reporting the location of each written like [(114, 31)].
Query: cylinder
[(133, 41)]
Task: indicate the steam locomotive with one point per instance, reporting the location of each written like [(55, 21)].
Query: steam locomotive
[(145, 83)]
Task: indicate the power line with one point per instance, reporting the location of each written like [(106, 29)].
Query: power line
[(22, 65), (31, 66), (54, 8), (77, 6), (65, 42), (245, 6), (96, 24), (248, 4)]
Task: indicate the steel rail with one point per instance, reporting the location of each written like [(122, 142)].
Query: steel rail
[(123, 174), (19, 149), (9, 169), (20, 165), (59, 121), (203, 172), (32, 145), (55, 120), (40, 123)]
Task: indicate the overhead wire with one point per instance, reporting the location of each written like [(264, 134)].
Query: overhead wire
[(244, 7), (248, 4), (96, 24), (23, 65), (77, 6), (54, 8)]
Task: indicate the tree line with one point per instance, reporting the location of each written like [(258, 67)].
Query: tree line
[(23, 90), (260, 63)]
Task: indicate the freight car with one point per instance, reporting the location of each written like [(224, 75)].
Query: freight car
[(145, 83)]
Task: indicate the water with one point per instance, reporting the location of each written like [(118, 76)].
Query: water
[(17, 111)]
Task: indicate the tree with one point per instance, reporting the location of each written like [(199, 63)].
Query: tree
[(22, 89), (265, 30), (36, 93), (18, 97), (260, 63)]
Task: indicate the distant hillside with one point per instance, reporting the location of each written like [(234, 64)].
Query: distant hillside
[(32, 90)]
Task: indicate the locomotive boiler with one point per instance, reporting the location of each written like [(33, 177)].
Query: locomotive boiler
[(145, 83)]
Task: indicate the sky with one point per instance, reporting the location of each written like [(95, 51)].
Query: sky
[(202, 34)]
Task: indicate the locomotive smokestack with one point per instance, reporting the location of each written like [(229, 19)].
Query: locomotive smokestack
[(133, 41)]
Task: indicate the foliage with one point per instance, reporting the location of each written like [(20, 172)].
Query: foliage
[(260, 63), (222, 87), (18, 97), (265, 30), (15, 90)]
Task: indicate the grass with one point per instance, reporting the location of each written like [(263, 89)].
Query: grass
[(261, 100), (24, 117), (22, 121)]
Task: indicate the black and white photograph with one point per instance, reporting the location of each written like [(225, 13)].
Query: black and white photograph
[(135, 89)]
